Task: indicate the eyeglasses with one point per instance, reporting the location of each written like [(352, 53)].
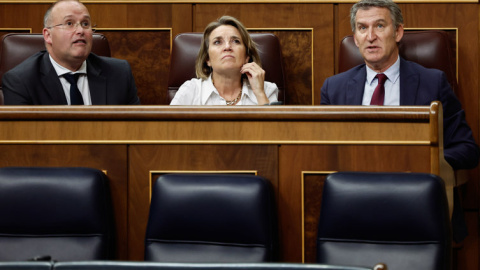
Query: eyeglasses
[(70, 26)]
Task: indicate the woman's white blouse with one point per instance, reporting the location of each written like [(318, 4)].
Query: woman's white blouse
[(203, 92)]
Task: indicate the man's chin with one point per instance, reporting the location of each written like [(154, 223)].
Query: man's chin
[(81, 55)]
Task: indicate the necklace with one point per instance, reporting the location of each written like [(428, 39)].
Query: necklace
[(230, 102), (234, 101)]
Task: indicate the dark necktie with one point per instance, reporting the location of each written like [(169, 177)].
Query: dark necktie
[(75, 96), (379, 93)]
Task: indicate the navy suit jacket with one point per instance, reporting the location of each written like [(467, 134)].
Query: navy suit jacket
[(35, 82), (418, 86)]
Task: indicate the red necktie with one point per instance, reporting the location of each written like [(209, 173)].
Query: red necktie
[(379, 93)]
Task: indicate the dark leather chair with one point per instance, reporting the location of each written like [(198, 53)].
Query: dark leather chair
[(185, 49), (211, 218), (429, 48), (123, 265), (26, 265), (400, 219), (16, 47), (62, 214)]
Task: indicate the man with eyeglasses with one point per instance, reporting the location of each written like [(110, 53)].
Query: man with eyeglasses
[(68, 73)]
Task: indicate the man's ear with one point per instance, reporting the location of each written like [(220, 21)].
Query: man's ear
[(399, 33), (355, 39), (47, 36)]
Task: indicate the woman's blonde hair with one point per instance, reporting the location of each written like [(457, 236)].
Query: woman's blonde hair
[(202, 69)]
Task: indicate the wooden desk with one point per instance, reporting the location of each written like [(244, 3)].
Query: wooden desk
[(295, 147)]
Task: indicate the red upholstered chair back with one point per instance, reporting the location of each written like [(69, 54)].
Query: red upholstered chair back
[(431, 49), (16, 47), (185, 50)]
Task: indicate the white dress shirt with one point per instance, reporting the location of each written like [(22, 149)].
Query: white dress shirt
[(82, 82), (203, 92), (392, 85)]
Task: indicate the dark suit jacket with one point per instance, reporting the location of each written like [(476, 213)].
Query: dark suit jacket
[(35, 82), (418, 86)]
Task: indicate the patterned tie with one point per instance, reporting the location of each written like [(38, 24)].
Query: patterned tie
[(379, 93), (75, 95)]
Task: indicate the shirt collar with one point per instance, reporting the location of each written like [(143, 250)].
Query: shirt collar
[(393, 72), (61, 70), (211, 90)]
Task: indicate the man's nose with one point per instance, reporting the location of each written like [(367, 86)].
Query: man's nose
[(78, 28), (371, 35)]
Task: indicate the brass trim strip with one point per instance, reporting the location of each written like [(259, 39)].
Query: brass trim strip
[(16, 28), (132, 29), (210, 142)]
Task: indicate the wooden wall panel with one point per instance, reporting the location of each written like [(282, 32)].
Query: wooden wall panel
[(23, 16), (148, 52), (148, 160), (297, 54)]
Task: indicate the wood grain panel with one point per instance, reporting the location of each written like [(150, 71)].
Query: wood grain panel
[(23, 16), (468, 260), (312, 189), (297, 57), (124, 15), (112, 159), (148, 52), (145, 159)]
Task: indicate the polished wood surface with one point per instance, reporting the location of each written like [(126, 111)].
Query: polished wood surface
[(294, 147)]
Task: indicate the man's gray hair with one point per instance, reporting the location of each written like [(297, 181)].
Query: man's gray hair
[(395, 11)]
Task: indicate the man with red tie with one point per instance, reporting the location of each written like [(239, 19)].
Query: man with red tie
[(387, 79)]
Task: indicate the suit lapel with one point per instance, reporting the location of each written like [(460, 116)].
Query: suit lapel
[(409, 81), (51, 82), (96, 83), (355, 88)]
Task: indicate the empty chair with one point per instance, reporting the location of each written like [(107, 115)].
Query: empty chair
[(400, 219), (61, 213), (185, 49), (206, 218), (17, 47)]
